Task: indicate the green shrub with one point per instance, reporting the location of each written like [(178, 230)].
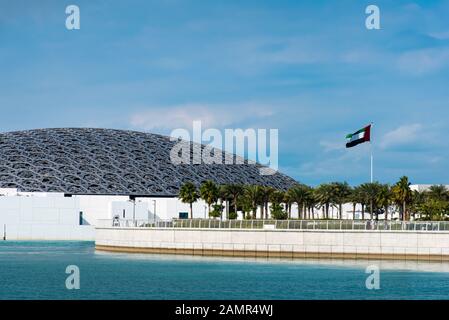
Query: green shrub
[(277, 212), (217, 211), (232, 215)]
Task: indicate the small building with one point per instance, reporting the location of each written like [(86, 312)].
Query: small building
[(424, 187)]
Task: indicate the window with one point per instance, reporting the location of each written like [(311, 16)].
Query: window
[(183, 215)]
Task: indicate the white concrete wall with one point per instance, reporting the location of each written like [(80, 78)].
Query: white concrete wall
[(38, 215), (42, 218), (138, 210), (326, 242), (97, 207)]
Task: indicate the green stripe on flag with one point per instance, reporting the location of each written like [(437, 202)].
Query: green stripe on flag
[(350, 135)]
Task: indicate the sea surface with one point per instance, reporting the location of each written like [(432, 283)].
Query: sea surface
[(37, 270)]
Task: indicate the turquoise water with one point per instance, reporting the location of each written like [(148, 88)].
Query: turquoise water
[(36, 270)]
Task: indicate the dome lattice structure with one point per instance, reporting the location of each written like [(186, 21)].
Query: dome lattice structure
[(110, 162)]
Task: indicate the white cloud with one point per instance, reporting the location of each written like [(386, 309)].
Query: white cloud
[(255, 55), (332, 145), (444, 35), (435, 160), (291, 51), (344, 166), (402, 135), (424, 61), (211, 116)]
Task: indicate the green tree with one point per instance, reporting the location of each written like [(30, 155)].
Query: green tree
[(209, 192), (253, 194), (277, 211), (244, 202), (288, 200), (402, 196), (384, 198), (354, 199), (418, 199), (265, 199), (325, 197), (217, 210), (310, 202), (433, 209), (438, 192), (234, 191), (359, 196), (370, 193), (299, 194), (189, 194), (277, 196), (341, 194)]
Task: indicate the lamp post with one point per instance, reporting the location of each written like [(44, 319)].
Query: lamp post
[(134, 210), (154, 212), (205, 216)]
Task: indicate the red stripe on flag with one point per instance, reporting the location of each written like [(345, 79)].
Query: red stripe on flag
[(367, 136)]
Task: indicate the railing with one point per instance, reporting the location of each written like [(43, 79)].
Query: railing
[(280, 224)]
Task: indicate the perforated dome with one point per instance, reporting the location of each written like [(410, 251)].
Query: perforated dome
[(109, 162)]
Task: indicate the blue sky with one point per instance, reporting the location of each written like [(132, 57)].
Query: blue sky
[(309, 68)]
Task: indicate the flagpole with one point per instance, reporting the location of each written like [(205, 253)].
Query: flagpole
[(371, 151)]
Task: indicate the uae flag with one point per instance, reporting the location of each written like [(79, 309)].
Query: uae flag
[(358, 137)]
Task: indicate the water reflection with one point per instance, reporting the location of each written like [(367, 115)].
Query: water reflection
[(403, 265)]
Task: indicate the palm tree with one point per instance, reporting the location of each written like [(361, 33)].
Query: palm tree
[(231, 192), (288, 200), (370, 192), (300, 194), (384, 198), (265, 199), (341, 192), (223, 198), (277, 211), (296, 195), (245, 204), (402, 195), (188, 194), (310, 202), (277, 197), (209, 193), (438, 192), (420, 201), (234, 191), (324, 195), (353, 197), (253, 194), (359, 196)]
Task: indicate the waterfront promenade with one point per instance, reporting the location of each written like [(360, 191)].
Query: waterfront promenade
[(349, 239)]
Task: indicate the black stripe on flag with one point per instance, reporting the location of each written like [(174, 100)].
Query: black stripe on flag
[(355, 142)]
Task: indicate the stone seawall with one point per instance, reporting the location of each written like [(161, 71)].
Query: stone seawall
[(351, 244)]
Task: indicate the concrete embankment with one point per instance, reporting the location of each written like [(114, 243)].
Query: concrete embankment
[(350, 244)]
